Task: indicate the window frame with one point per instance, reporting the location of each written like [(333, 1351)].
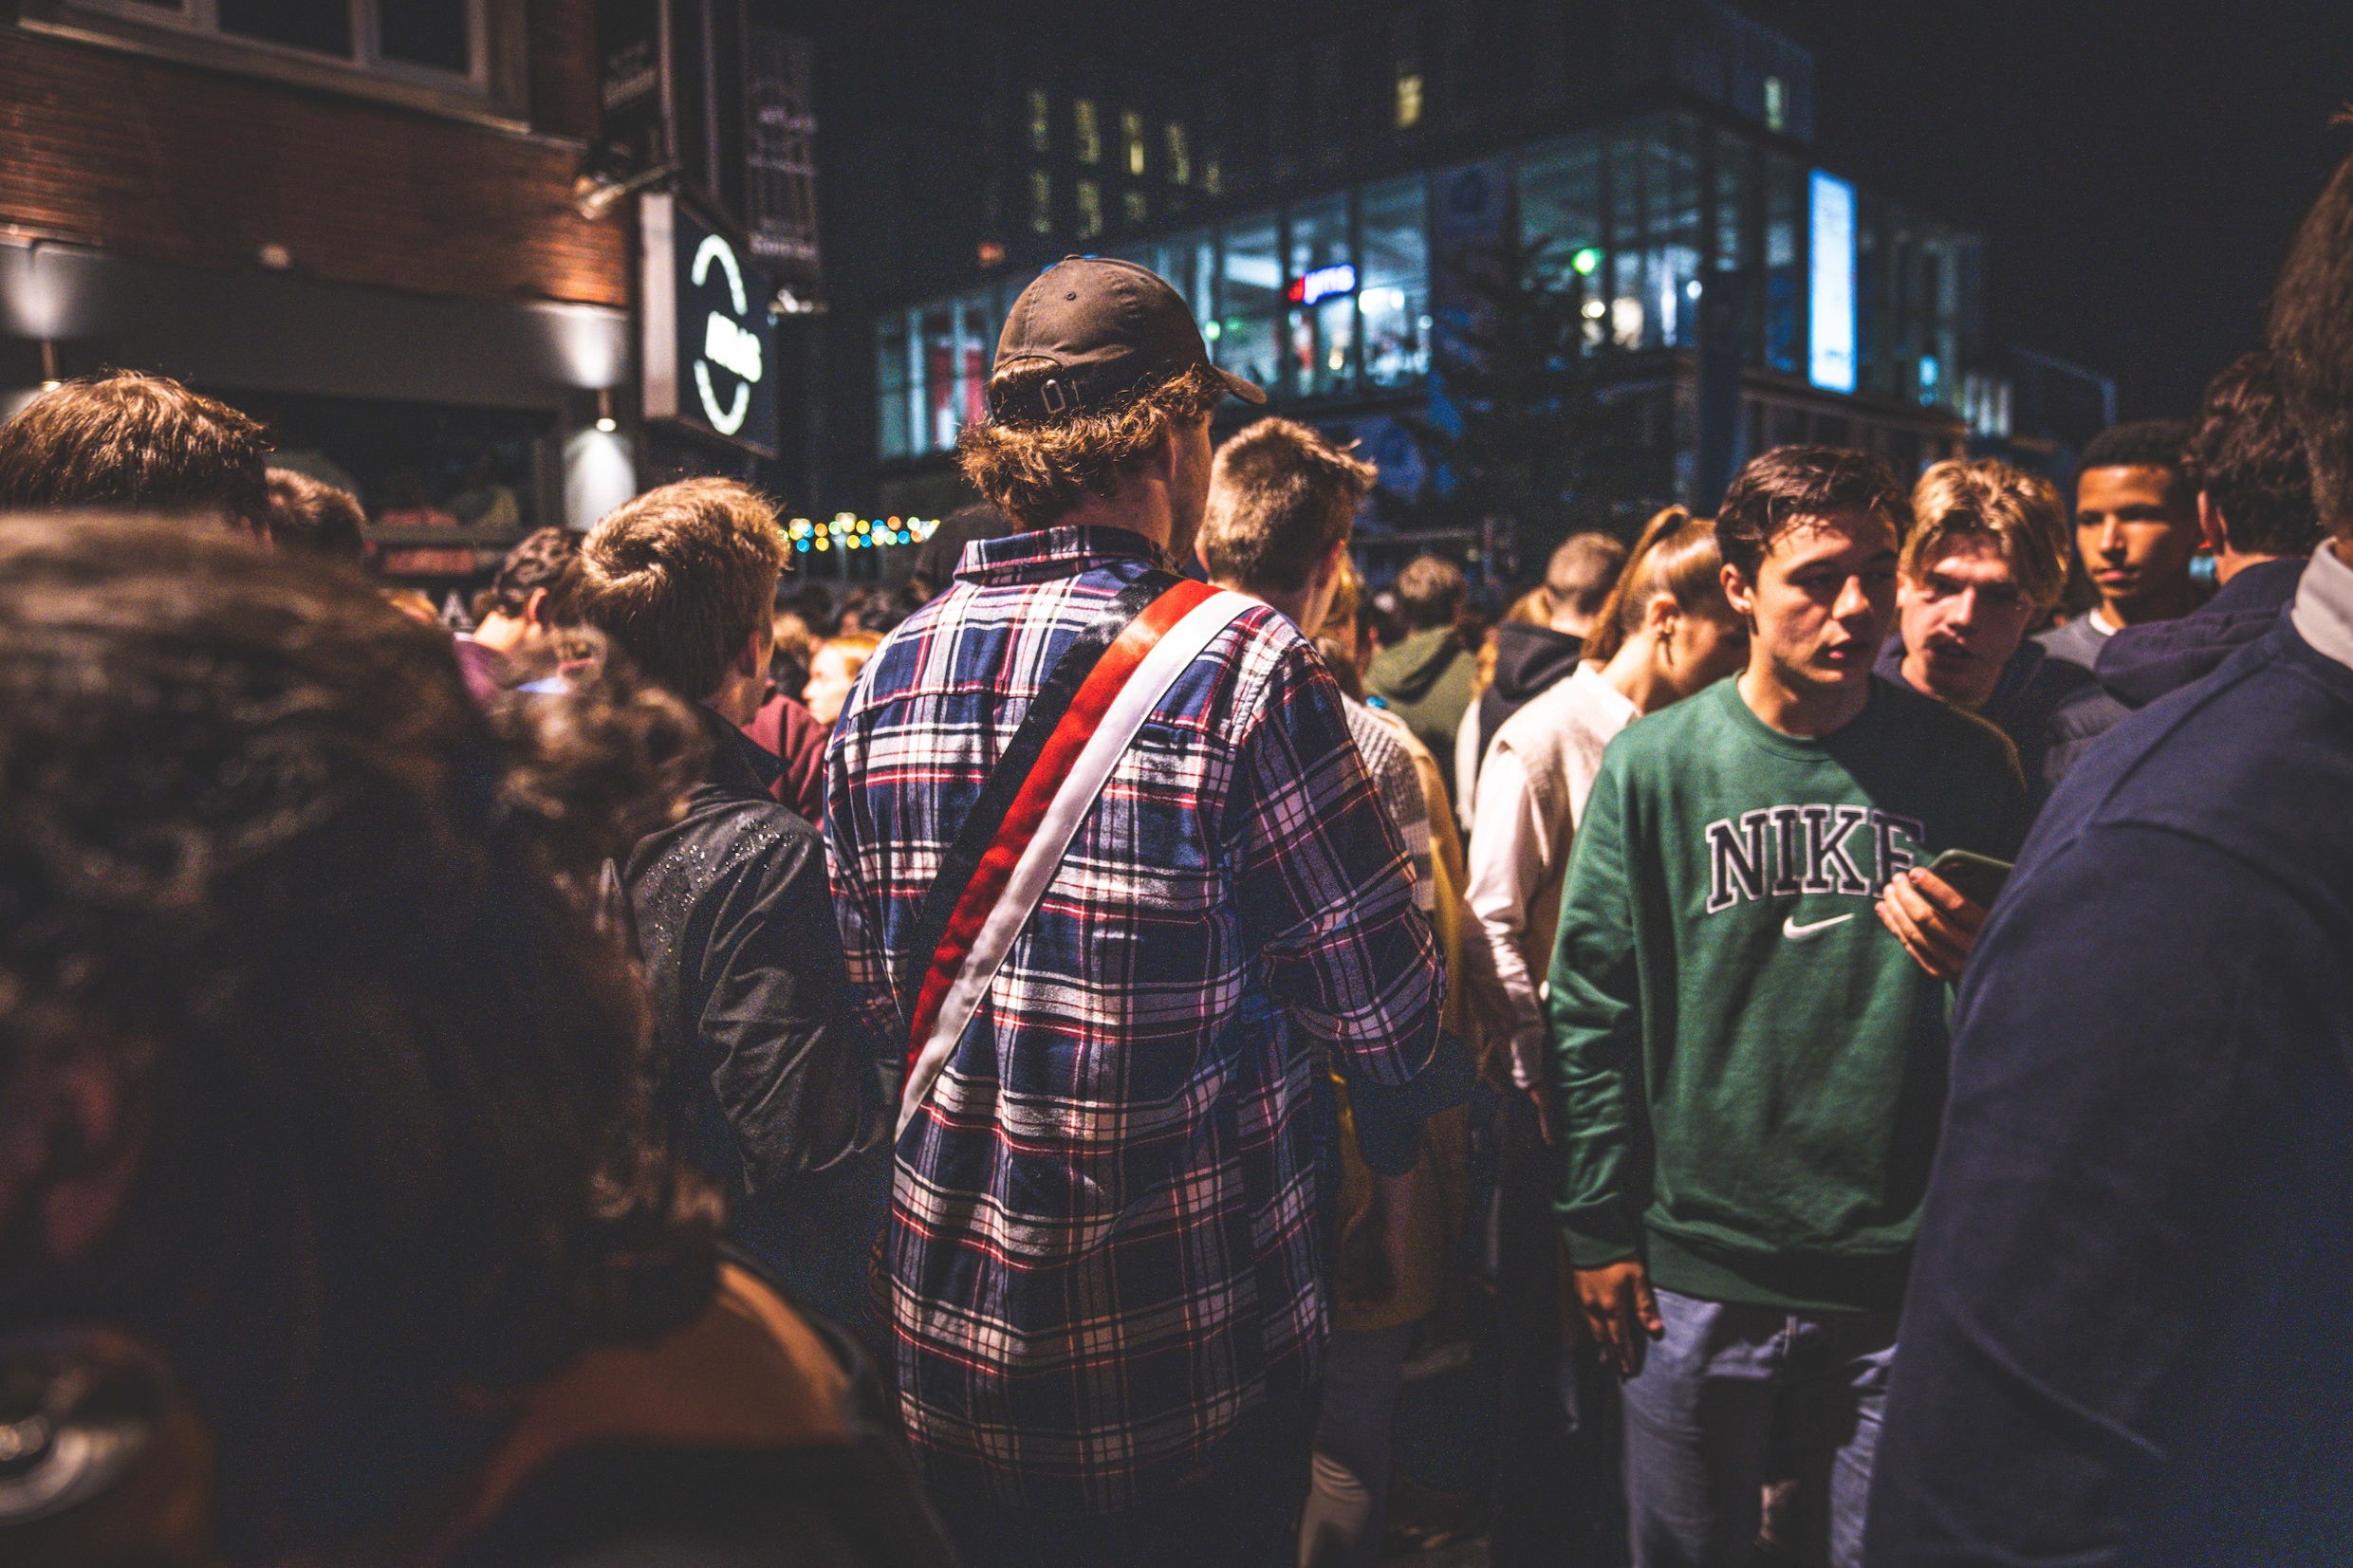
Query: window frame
[(495, 92)]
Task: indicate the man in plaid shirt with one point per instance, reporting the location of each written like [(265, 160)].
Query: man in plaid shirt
[(1105, 1263)]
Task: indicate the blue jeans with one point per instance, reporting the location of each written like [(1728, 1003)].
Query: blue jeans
[(1733, 1396)]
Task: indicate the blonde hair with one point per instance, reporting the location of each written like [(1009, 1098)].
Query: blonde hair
[(856, 648), (1340, 621), (1676, 557), (2019, 512)]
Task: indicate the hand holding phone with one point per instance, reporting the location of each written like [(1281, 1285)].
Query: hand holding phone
[(1976, 878)]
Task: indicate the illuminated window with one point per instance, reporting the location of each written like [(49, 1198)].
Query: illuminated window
[(1089, 132), (1041, 121), (1132, 132), (1179, 161), (1040, 202), (1408, 97), (1776, 104), (1090, 208), (1394, 299), (1210, 180), (1139, 210)]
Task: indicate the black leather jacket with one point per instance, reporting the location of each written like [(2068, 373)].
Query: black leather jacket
[(780, 1088)]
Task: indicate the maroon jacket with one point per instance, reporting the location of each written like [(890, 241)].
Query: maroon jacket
[(792, 734)]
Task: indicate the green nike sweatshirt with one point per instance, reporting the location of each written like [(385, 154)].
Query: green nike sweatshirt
[(1751, 1067)]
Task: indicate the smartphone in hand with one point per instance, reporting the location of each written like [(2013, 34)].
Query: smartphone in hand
[(1976, 878)]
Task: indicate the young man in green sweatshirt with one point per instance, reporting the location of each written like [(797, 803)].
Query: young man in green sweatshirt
[(1748, 1002)]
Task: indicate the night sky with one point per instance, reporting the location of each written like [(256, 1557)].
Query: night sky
[(2136, 170)]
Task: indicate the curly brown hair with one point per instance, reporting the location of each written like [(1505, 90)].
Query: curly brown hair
[(134, 443), (270, 873), (1033, 471), (2247, 454)]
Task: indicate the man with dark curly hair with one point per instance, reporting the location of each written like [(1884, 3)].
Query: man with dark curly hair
[(1104, 1265), (2245, 459), (335, 1223)]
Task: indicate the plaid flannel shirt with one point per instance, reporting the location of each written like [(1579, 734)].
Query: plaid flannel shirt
[(1104, 1248)]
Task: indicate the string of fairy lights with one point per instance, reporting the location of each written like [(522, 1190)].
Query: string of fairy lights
[(850, 531)]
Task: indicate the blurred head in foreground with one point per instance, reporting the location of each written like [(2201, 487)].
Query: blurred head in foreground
[(318, 1079)]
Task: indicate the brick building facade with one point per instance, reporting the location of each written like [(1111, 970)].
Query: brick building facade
[(377, 251)]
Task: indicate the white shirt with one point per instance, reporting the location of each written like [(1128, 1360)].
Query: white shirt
[(2323, 610), (1531, 789)]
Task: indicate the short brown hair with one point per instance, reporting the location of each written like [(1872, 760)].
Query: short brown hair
[(1429, 592), (131, 442), (312, 517), (681, 576), (547, 558), (2021, 512), (1279, 497), (2312, 336), (1778, 487), (2247, 454), (1033, 471), (1676, 557), (1582, 571)]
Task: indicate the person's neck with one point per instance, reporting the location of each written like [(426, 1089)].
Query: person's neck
[(1293, 607), (501, 634), (2229, 562), (737, 700), (1803, 709), (2170, 603), (1139, 509), (1915, 668), (1633, 672)]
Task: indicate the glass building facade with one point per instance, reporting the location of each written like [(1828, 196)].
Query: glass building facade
[(1327, 299)]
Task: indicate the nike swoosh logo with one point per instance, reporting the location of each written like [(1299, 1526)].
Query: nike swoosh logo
[(1795, 932)]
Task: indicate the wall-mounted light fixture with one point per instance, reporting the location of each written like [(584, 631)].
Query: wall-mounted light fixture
[(49, 382), (604, 411)]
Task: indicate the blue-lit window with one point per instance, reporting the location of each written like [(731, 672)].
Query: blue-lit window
[(894, 434), (1560, 201), (1249, 342), (1392, 282), (1784, 201), (1830, 311), (1322, 328)]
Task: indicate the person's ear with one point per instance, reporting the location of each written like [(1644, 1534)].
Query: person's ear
[(1200, 553), (535, 609), (70, 1154), (2212, 525), (747, 662), (1737, 592)]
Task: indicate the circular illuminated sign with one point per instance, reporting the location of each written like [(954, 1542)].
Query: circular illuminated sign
[(708, 360)]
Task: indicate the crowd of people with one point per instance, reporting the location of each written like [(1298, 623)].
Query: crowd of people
[(1009, 1069)]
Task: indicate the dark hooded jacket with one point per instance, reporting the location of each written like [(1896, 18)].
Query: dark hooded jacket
[(2140, 664), (759, 1048), (1427, 680), (1529, 658), (2034, 687)]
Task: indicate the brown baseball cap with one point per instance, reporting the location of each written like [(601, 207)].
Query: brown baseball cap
[(1110, 328)]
